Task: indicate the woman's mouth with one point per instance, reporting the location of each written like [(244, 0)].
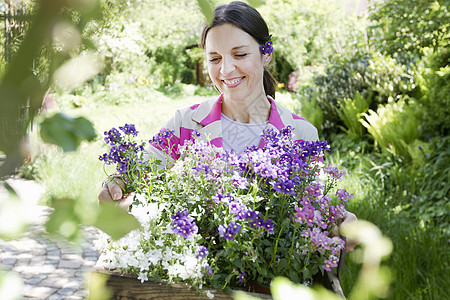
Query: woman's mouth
[(231, 83)]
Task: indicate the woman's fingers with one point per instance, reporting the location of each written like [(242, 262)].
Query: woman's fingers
[(126, 202), (111, 190)]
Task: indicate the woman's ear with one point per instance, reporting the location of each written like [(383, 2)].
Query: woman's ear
[(267, 59)]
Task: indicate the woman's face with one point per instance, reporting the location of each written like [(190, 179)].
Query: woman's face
[(235, 64)]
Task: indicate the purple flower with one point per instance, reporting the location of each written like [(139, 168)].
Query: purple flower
[(269, 226), (202, 251), (343, 195), (112, 137), (335, 172), (329, 263), (230, 231), (162, 137), (208, 270), (196, 133), (241, 276), (305, 214), (184, 225), (129, 129)]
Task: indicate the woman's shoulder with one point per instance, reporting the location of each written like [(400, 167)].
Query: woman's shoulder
[(303, 129)]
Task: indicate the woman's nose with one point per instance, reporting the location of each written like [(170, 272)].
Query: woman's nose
[(227, 66)]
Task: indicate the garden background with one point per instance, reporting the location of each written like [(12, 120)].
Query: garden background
[(373, 76)]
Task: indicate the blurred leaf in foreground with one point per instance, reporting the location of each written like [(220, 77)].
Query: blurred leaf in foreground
[(115, 221), (207, 9), (11, 286), (67, 132), (97, 286), (64, 220)]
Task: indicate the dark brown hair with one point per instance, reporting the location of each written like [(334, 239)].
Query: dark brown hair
[(248, 19)]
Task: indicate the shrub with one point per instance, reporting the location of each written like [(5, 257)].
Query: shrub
[(350, 113), (432, 185), (306, 32), (436, 92), (368, 73), (394, 126)]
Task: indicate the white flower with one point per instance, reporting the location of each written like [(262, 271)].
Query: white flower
[(209, 294), (143, 276)]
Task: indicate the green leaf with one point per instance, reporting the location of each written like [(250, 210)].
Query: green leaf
[(115, 221), (282, 264), (64, 220), (238, 263), (66, 132), (294, 276), (207, 9)]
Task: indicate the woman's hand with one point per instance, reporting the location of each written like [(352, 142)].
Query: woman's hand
[(348, 218), (112, 192)]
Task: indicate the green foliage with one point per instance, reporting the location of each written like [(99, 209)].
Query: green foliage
[(386, 190), (350, 113), (393, 126), (403, 28), (436, 91), (66, 132), (150, 39), (305, 32), (362, 71), (312, 112), (432, 185)]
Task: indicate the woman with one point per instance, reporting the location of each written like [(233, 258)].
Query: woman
[(238, 48)]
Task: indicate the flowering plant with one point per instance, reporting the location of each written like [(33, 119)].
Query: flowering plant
[(220, 219)]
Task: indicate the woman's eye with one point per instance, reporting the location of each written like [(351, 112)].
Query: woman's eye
[(214, 59), (241, 54)]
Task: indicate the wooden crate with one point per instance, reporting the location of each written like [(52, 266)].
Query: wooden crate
[(127, 287)]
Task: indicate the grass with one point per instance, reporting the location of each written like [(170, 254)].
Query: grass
[(419, 263)]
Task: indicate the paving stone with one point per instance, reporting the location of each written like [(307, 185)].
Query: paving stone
[(65, 272), (38, 260), (8, 261), (69, 264), (39, 292), (35, 280), (23, 261), (65, 292), (56, 296), (56, 282)]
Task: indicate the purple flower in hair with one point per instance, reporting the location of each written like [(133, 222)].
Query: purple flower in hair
[(266, 48)]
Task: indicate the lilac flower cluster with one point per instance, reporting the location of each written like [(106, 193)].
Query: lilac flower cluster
[(321, 240), (123, 152), (228, 232), (184, 225), (242, 212), (335, 172), (129, 129), (282, 162), (162, 138)]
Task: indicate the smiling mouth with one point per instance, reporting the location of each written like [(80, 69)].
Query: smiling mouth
[(233, 82)]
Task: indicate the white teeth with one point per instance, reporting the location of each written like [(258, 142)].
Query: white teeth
[(231, 82)]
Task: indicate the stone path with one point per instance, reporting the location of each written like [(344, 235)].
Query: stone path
[(49, 267)]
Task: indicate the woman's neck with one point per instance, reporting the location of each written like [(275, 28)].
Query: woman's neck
[(252, 112)]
